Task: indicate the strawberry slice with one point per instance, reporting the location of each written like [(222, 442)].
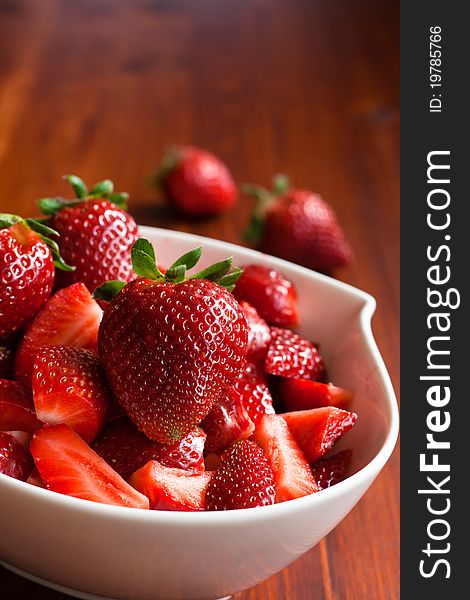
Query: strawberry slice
[(69, 386), (331, 470), (304, 394), (317, 430), (15, 460), (259, 333), (70, 318), (292, 474), (126, 449), (35, 479), (171, 489), (290, 355), (17, 408), (227, 423), (253, 389), (67, 465)]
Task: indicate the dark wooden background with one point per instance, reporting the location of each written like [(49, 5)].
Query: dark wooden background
[(307, 87)]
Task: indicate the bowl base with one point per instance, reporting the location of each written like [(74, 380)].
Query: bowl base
[(61, 588)]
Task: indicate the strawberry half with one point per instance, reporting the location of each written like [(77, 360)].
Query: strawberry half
[(171, 489), (243, 479), (16, 408), (15, 460), (35, 479), (259, 333), (292, 474), (331, 470), (70, 318), (304, 394), (67, 465), (254, 392), (317, 430), (290, 355), (69, 387), (273, 296), (126, 449)]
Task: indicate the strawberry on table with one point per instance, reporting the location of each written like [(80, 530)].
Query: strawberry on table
[(96, 233), (170, 343), (330, 470), (15, 460), (299, 226), (171, 489), (256, 398), (317, 430), (243, 479), (259, 333), (69, 387), (196, 182), (272, 295), (70, 318), (67, 465), (290, 355), (16, 408), (303, 394)]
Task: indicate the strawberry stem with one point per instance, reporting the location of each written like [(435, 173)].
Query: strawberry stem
[(170, 160)]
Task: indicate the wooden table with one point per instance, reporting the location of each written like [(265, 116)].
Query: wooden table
[(307, 87)]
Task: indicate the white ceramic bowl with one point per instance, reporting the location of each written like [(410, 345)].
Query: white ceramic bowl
[(132, 554)]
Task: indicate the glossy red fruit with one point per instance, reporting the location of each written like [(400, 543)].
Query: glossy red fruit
[(292, 475), (69, 387), (196, 182), (253, 389), (304, 394), (171, 489), (273, 296), (26, 274), (259, 333), (290, 355), (227, 423), (126, 449), (7, 361), (67, 465), (16, 408), (243, 479), (70, 318), (15, 460), (331, 470), (317, 430)]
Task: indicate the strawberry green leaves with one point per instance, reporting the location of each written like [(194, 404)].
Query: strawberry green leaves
[(264, 197), (108, 290)]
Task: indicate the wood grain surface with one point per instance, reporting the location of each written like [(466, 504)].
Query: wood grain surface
[(308, 87)]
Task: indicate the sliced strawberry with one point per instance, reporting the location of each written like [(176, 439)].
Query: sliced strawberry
[(304, 394), (17, 408), (255, 394), (67, 465), (292, 474), (259, 333), (227, 423), (7, 359), (243, 479), (69, 386), (317, 430), (331, 470), (126, 449), (15, 460), (171, 489), (290, 355), (35, 479), (70, 318)]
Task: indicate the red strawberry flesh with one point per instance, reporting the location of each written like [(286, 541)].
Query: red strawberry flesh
[(304, 394), (16, 408)]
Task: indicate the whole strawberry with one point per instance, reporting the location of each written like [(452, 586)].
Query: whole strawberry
[(96, 233), (27, 256), (196, 182), (299, 226), (172, 344)]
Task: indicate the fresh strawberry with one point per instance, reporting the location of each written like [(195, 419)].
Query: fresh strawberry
[(290, 355), (96, 233), (299, 226), (15, 460), (212, 461), (172, 344), (227, 423), (292, 474), (195, 182), (126, 449), (171, 489), (69, 387), (317, 430), (17, 408), (273, 296), (303, 394), (35, 479), (70, 318), (7, 361), (27, 258), (67, 465), (253, 389), (331, 470), (259, 333), (243, 479)]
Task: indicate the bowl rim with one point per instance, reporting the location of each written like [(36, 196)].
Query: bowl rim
[(362, 478)]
